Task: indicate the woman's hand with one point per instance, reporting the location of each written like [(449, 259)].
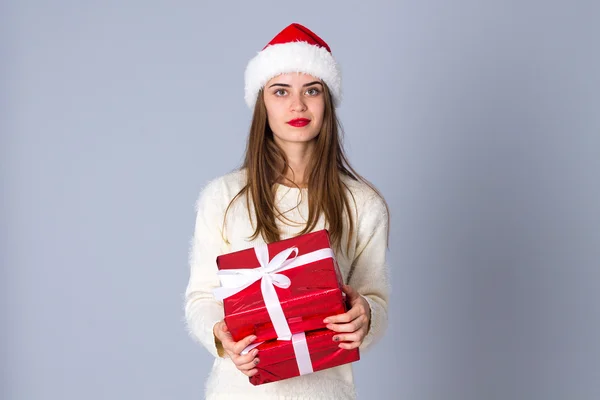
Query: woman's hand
[(352, 325), (245, 363)]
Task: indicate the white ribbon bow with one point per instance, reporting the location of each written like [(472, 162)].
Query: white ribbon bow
[(235, 280)]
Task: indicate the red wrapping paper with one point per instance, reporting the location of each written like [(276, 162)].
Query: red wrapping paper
[(278, 360), (314, 294)]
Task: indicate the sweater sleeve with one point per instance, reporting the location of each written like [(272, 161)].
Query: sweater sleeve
[(369, 273), (202, 310)]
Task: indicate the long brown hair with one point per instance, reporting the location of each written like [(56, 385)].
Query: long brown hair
[(266, 164)]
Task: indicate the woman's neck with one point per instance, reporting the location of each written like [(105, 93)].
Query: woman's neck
[(298, 156)]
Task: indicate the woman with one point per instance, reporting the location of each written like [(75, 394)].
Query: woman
[(295, 179)]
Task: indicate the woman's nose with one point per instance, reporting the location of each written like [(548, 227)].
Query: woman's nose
[(298, 104)]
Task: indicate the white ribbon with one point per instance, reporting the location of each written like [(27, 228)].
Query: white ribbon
[(235, 280), (250, 347), (300, 351)]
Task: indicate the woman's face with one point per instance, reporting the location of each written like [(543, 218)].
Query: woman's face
[(295, 105)]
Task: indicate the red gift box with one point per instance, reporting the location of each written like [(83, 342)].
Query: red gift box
[(314, 291), (279, 359)]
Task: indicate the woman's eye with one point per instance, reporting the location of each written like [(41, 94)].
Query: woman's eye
[(280, 92), (312, 91)]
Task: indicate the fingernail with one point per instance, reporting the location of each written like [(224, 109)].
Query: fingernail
[(256, 361), (335, 338), (254, 352), (253, 338), (326, 320)]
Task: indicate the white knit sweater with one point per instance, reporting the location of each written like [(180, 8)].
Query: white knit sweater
[(364, 268)]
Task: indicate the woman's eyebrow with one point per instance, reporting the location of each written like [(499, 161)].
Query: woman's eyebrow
[(286, 85), (312, 83)]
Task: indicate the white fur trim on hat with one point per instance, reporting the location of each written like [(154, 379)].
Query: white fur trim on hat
[(292, 57)]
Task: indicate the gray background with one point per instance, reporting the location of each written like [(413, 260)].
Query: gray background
[(478, 121)]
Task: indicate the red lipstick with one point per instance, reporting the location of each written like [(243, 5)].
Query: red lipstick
[(299, 122)]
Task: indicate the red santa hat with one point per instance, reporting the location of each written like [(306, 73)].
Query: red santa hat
[(294, 49)]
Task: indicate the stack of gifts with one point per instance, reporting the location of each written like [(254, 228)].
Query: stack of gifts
[(281, 293)]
